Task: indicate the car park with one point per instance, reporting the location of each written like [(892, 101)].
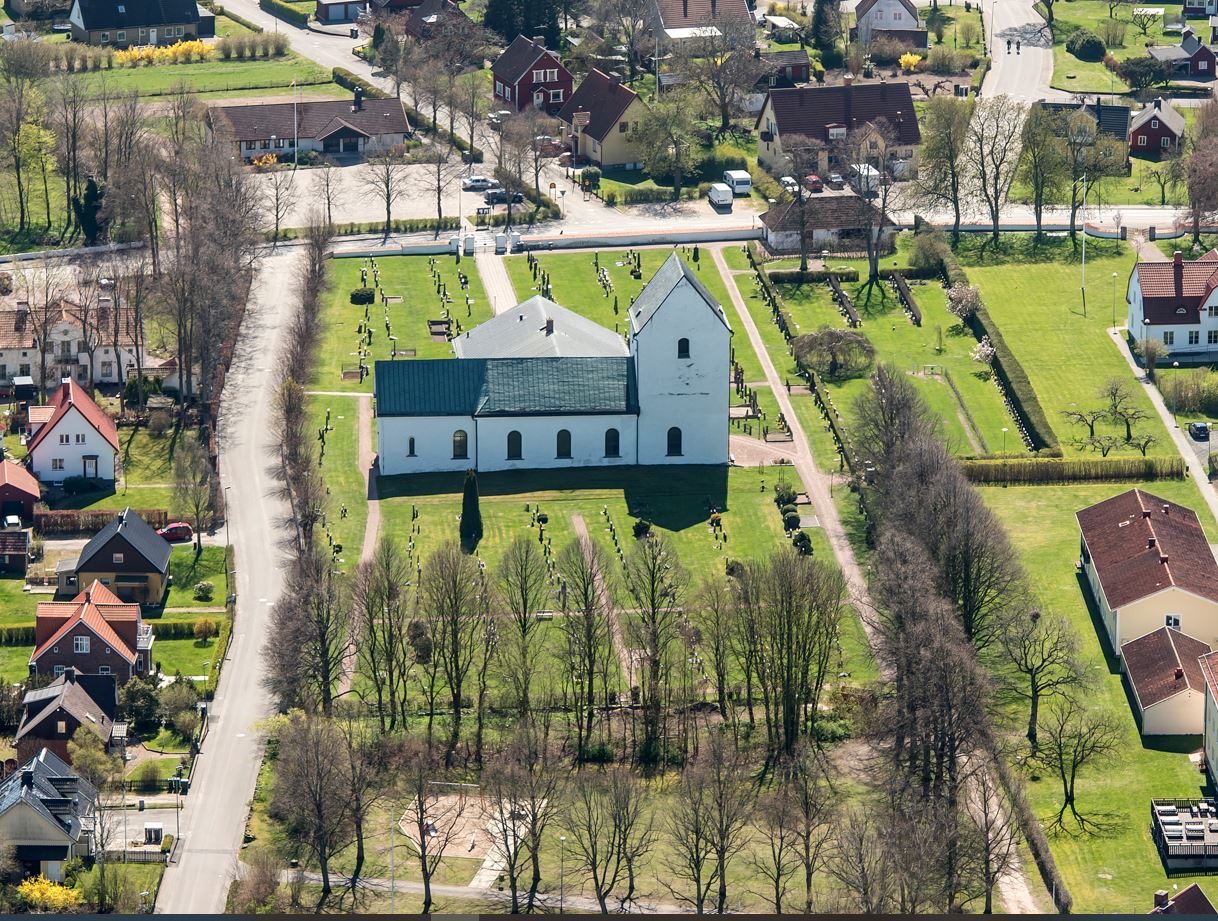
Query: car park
[(499, 196)]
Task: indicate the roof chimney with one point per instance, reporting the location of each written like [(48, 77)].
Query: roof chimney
[(1158, 102), (1177, 271), (358, 103), (27, 779), (615, 79), (1145, 513), (539, 41), (1163, 558), (69, 676), (549, 326), (713, 11), (1166, 509), (1161, 898), (1179, 673), (685, 9), (847, 79), (1150, 542)]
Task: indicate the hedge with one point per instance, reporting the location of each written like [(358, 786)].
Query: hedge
[(284, 11), (424, 123), (652, 196), (17, 636), (796, 277), (240, 20), (76, 521), (1004, 471), (182, 629), (349, 80)]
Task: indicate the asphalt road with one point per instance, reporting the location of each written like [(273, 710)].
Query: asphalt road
[(1027, 73), (214, 815)]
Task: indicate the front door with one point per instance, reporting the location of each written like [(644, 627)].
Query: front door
[(539, 99), (152, 36), (90, 468)]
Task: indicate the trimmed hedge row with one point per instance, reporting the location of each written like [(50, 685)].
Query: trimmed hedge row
[(182, 629), (796, 277), (17, 636), (75, 521), (1002, 471), (284, 11), (348, 80), (240, 20)]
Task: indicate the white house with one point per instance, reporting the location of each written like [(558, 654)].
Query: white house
[(78, 440), (1164, 672), (541, 387), (898, 18), (68, 343), (1149, 566), (1176, 303), (46, 815)]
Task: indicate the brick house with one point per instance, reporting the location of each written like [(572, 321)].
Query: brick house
[(52, 715), (781, 70), (126, 556), (1156, 130), (330, 126), (95, 633), (1192, 58), (124, 23), (78, 440), (528, 74)]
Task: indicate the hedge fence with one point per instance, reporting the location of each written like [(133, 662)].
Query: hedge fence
[(88, 521), (1003, 471), (240, 20), (284, 11), (351, 81), (17, 636)]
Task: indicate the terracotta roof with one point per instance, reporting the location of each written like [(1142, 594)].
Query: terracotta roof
[(69, 395), (16, 476), (604, 98), (1141, 544), (822, 212), (864, 7), (14, 542), (810, 110), (18, 328), (313, 119), (96, 607), (1164, 112), (1162, 664), (690, 14), (40, 415), (1173, 292), (518, 58), (1188, 901)]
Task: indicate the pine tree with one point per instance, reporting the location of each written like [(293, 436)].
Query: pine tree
[(471, 514)]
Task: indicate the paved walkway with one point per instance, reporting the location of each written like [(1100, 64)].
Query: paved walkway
[(493, 272), (625, 656), (1147, 250)]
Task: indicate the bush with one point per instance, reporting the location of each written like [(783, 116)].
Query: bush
[(204, 591), (39, 894), (361, 296), (6, 282), (131, 392), (929, 250), (77, 485), (802, 543), (1002, 471), (1143, 72), (1191, 392), (284, 11), (790, 522), (147, 777), (159, 423), (88, 521), (590, 177), (1112, 33), (349, 81), (784, 495), (789, 509), (887, 50), (1086, 45), (642, 528), (942, 60)]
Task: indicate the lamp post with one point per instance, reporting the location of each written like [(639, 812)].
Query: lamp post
[(226, 489), (1004, 439), (1114, 326), (562, 867)]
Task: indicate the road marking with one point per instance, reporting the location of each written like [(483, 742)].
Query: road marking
[(241, 735)]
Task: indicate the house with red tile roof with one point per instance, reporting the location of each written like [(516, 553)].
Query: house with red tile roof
[(1176, 302), (19, 491), (1164, 672), (601, 122), (529, 74), (96, 633), (1190, 900), (78, 440), (678, 22), (1149, 565)]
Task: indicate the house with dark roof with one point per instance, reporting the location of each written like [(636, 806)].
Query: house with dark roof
[(836, 221), (1191, 900), (126, 556), (432, 17), (1157, 129), (529, 74), (95, 633), (51, 715), (352, 127), (19, 491), (1149, 565), (601, 122), (79, 439), (1110, 118), (877, 120), (46, 815), (779, 70), (1168, 686), (1175, 302), (1191, 59), (541, 390), (123, 23), (893, 19), (678, 22)]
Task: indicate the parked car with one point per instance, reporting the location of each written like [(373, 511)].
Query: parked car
[(836, 180), (477, 183), (496, 119), (720, 195), (813, 183), (177, 531), (548, 146), (789, 184), (499, 196), (1200, 431)]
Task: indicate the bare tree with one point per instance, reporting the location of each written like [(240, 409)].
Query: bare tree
[(611, 832), (192, 485), (1043, 651), (992, 151), (585, 624), (434, 810), (721, 63), (329, 186), (523, 587), (104, 773), (714, 621), (1167, 173), (1072, 738), (942, 164), (442, 172), (1088, 417), (386, 177), (24, 65), (364, 760), (280, 193), (43, 286), (996, 831), (1044, 166), (862, 862), (380, 600), (803, 156)]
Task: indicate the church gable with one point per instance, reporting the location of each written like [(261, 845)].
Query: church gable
[(673, 278)]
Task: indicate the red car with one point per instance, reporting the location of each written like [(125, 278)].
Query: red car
[(177, 530)]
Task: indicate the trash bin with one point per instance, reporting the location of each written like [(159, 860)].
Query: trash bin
[(354, 32)]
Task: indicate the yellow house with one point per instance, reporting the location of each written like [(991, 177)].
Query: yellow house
[(1164, 672), (601, 122), (1149, 565)]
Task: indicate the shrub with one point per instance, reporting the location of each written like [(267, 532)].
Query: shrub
[(349, 81), (1071, 470), (832, 729), (6, 282), (942, 60), (1086, 45), (969, 33), (784, 494), (147, 777), (41, 895), (159, 423), (363, 296), (642, 528), (802, 543), (204, 591), (790, 522), (590, 176), (928, 249), (284, 11), (1112, 33), (909, 61), (205, 629), (598, 753), (789, 509), (1143, 72), (886, 50), (77, 485)]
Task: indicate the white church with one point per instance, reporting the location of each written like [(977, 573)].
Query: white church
[(539, 386)]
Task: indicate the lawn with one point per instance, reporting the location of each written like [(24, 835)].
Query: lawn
[(17, 606), (189, 657), (340, 466), (1112, 872), (1033, 294), (147, 458), (14, 663), (189, 569), (1075, 75), (410, 278), (216, 75)]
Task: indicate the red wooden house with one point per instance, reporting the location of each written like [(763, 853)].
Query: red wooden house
[(527, 74), (1157, 129), (1191, 59)]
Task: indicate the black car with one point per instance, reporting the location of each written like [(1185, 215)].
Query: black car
[(500, 197), (1200, 431)]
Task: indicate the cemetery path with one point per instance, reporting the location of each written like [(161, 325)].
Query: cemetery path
[(495, 280), (624, 655)]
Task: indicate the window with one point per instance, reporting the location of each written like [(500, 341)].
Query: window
[(139, 661), (674, 442), (80, 645), (250, 145), (410, 447), (1154, 123), (1203, 65), (460, 444), (24, 371), (107, 369), (682, 348), (1172, 621), (278, 142), (103, 669), (552, 74), (65, 439), (117, 559), (837, 133), (1141, 140), (1169, 337), (555, 95), (266, 145), (515, 450), (563, 444), (1164, 142), (1194, 336), (80, 438), (1211, 338), (57, 463), (613, 443), (539, 76), (120, 36), (59, 670), (105, 37), (3, 372), (61, 727), (623, 127)]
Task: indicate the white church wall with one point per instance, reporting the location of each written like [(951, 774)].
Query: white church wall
[(433, 443), (539, 441)]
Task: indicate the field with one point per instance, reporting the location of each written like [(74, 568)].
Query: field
[(216, 76)]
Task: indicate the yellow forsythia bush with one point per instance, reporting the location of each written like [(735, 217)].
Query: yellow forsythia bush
[(179, 53), (40, 894), (909, 61)]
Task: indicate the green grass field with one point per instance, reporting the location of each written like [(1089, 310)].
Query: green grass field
[(405, 276), (1075, 75), (216, 76), (340, 467), (189, 569)]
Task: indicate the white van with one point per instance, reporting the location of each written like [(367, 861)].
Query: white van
[(720, 195), (739, 181)]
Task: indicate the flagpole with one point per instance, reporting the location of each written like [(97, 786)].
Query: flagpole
[(295, 128)]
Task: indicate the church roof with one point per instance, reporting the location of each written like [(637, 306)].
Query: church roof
[(539, 328), (672, 273), (506, 387)]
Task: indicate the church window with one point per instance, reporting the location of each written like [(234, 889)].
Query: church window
[(674, 442), (460, 445), (682, 348), (410, 447), (563, 446), (515, 450), (613, 443)]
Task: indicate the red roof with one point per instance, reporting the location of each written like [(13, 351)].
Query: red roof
[(71, 395), (96, 607), (1173, 292), (1163, 663), (19, 478), (1141, 544), (604, 98)]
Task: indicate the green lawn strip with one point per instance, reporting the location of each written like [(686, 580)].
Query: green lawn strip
[(767, 403), (154, 768), (14, 663), (340, 468), (410, 278), (226, 28), (168, 740), (216, 75), (188, 657), (1168, 247), (130, 881), (1108, 872), (1093, 76), (132, 495), (148, 458), (188, 569), (736, 258), (1033, 295), (17, 606)]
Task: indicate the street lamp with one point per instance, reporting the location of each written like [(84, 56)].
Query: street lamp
[(1114, 326), (227, 488), (562, 867), (1004, 439)]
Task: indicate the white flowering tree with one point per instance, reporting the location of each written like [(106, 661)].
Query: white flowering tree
[(963, 300), (983, 351)]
